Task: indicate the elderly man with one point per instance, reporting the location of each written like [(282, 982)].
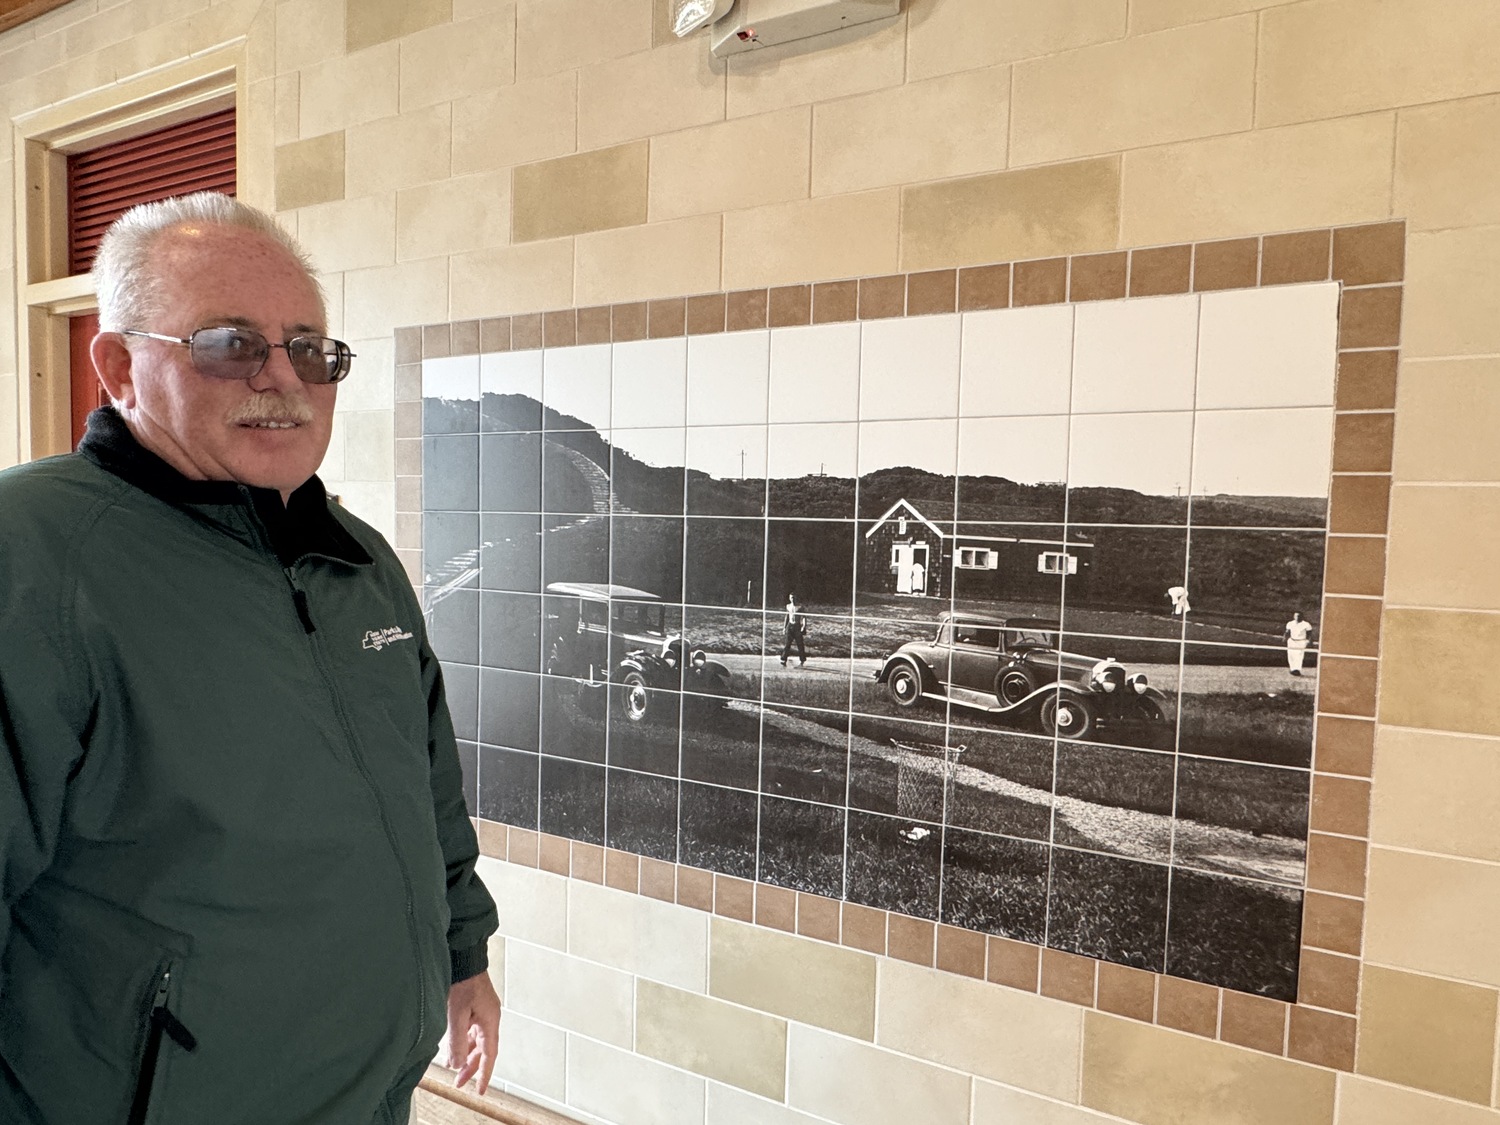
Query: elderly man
[(237, 868)]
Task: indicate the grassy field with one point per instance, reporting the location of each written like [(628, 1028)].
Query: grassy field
[(1234, 933)]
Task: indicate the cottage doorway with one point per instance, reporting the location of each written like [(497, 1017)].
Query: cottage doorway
[(911, 568)]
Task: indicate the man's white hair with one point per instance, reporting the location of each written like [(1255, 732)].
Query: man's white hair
[(124, 275)]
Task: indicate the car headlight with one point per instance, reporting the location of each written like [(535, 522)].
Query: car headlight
[(1107, 676), (700, 658), (1138, 682)]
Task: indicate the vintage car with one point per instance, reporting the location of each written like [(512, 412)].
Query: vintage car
[(601, 635), (1013, 668)]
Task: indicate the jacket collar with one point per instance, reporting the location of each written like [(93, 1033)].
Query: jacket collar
[(304, 525)]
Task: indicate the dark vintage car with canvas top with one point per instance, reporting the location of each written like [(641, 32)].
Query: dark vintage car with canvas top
[(1012, 668), (602, 634)]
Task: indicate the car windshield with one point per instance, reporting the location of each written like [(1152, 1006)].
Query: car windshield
[(638, 617), (1038, 637)]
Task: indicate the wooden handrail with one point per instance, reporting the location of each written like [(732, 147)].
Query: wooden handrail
[(494, 1106)]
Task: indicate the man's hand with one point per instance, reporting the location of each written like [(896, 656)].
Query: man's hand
[(473, 1029)]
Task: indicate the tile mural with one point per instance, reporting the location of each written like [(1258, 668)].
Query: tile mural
[(978, 617)]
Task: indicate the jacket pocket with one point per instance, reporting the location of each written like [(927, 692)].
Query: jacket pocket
[(160, 1022)]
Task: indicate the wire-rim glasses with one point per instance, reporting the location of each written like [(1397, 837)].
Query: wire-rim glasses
[(227, 352)]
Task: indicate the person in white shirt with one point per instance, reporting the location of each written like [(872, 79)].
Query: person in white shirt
[(1298, 634)]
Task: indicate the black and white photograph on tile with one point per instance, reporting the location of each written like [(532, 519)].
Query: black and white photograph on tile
[(1007, 619), (718, 829)]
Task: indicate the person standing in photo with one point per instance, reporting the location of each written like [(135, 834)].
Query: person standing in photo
[(1298, 635), (1179, 596), (793, 630)]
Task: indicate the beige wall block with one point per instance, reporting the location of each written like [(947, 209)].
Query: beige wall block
[(1160, 1077), (789, 243), (1000, 1105), (370, 445), (626, 1089), (367, 22), (1012, 1037), (823, 985), (307, 32), (672, 87), (372, 501), (856, 1084), (933, 130), (555, 35), (1328, 58), (332, 467), (286, 108), (1421, 648), (721, 1041), (9, 434), (371, 384), (310, 171), (533, 904), (1447, 162), (1446, 409), (1032, 213), (573, 194), (728, 1106), (731, 165), (453, 216), (569, 993), (658, 260), (1433, 914), (351, 234), (1195, 81), (516, 279), (964, 34), (1444, 546), (855, 61), (533, 1056), (376, 301), (454, 60), (1155, 15), (345, 91), (1325, 174), (260, 45), (518, 124), (656, 940), (333, 286), (1452, 303), (398, 152), (112, 25), (1363, 1101), (1432, 1034), (1437, 793)]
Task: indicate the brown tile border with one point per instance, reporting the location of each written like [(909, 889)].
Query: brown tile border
[(1369, 262)]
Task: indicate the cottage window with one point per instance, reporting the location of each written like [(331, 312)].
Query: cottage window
[(1056, 562), (977, 558)]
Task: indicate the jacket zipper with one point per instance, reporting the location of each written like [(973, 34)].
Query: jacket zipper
[(161, 1021), (304, 615)]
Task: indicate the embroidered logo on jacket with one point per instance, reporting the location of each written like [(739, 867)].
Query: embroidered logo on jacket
[(379, 638)]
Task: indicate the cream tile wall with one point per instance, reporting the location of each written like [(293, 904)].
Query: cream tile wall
[(962, 132)]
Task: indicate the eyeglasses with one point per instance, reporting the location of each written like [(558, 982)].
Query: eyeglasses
[(241, 353)]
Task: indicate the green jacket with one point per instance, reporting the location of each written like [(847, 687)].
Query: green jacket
[(234, 851)]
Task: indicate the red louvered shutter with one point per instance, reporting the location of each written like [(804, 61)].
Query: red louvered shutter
[(105, 182)]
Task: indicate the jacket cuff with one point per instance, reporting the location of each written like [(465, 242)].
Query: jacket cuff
[(469, 962)]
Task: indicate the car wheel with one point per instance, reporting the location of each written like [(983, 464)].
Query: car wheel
[(904, 685), (1012, 686), (635, 697), (1067, 717)]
